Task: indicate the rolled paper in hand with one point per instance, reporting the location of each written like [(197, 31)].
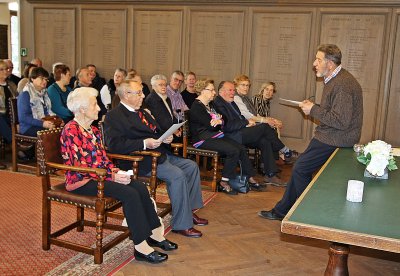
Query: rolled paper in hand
[(355, 190)]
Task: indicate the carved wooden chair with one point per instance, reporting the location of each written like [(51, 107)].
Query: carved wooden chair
[(49, 159), (151, 181), (188, 149), (18, 138)]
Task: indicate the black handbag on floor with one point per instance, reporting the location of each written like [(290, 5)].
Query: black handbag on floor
[(241, 182)]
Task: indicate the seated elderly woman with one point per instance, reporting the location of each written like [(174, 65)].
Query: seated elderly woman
[(59, 91), (262, 101), (81, 146), (34, 104), (206, 127)]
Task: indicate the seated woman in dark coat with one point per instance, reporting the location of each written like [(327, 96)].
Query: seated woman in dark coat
[(206, 127), (81, 146)]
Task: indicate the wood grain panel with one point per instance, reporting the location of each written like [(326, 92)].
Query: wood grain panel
[(361, 39), (55, 36), (216, 44), (104, 40), (157, 42), (279, 53)]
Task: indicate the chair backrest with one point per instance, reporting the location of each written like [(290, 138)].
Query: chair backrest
[(13, 111), (48, 149)]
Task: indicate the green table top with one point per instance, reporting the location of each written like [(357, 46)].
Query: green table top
[(324, 205)]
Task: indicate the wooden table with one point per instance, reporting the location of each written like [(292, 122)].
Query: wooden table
[(322, 211)]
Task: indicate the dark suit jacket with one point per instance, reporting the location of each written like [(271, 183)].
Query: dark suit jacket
[(160, 112), (125, 132), (233, 119)]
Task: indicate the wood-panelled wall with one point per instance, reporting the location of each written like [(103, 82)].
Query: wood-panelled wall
[(269, 41)]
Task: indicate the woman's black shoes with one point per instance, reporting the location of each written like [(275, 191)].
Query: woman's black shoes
[(227, 190), (165, 245), (154, 257)]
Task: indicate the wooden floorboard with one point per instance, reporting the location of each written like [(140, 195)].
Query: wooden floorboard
[(238, 242)]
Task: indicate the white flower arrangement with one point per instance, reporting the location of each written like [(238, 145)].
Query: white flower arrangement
[(377, 155)]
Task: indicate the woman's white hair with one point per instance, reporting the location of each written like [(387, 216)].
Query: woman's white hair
[(79, 98)]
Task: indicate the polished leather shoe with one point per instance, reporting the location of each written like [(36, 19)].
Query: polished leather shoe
[(274, 180), (154, 257), (199, 221), (227, 190), (165, 245), (257, 187), (271, 214), (191, 233)]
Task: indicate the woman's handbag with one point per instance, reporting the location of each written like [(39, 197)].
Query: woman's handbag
[(241, 182)]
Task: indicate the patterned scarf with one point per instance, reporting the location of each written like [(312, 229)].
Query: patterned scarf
[(40, 102)]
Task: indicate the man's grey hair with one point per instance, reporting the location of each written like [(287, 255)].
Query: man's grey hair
[(332, 52), (79, 98), (156, 78)]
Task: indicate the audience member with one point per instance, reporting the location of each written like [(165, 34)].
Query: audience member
[(248, 110), (27, 70), (189, 93), (129, 128), (97, 81), (34, 104), (88, 151), (206, 127), (262, 101), (10, 76), (247, 132), (340, 117), (178, 105), (37, 61), (7, 90), (133, 75), (59, 91), (107, 93), (160, 105)]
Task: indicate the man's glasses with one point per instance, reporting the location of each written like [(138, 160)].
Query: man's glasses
[(162, 84), (139, 92), (178, 80)]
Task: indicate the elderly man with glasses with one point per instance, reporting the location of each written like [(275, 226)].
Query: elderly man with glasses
[(130, 128), (178, 104), (10, 76)]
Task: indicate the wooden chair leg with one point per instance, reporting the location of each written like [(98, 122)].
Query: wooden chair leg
[(98, 252), (80, 216), (14, 153), (215, 169), (46, 220)]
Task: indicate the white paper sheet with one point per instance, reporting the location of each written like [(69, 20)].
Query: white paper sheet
[(170, 131), (289, 102)]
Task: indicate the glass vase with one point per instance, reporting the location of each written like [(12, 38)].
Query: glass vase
[(384, 176)]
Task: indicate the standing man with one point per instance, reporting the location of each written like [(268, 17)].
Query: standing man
[(130, 128), (178, 105), (340, 115), (189, 94)]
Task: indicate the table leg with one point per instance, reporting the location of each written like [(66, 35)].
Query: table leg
[(337, 264)]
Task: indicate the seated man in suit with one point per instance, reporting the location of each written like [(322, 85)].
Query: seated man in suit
[(247, 132), (160, 105), (129, 128)]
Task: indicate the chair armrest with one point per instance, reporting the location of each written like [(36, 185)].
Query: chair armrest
[(148, 153), (99, 172), (124, 157), (177, 145)]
